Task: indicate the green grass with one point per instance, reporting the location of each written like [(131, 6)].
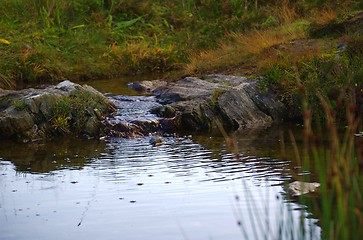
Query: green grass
[(216, 94), (329, 74), (52, 40), (338, 167), (70, 113), (20, 105)]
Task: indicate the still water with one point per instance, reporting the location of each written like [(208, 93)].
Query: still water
[(190, 187)]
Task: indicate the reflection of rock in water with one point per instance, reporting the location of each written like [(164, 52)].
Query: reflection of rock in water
[(45, 157)]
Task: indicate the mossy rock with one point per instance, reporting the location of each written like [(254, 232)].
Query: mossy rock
[(67, 108)]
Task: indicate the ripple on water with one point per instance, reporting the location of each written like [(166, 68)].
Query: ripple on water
[(183, 158), (131, 186)]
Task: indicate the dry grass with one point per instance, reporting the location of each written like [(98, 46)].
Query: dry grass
[(241, 47), (139, 56), (284, 12), (324, 17), (6, 82), (294, 52)]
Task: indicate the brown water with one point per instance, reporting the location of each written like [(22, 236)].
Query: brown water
[(190, 187)]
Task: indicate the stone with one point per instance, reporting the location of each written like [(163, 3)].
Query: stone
[(234, 102), (29, 114), (298, 188), (146, 86)]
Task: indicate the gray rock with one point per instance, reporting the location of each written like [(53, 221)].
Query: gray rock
[(156, 141), (235, 102), (146, 86), (29, 114), (298, 188)]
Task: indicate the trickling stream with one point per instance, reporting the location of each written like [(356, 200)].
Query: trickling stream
[(190, 187)]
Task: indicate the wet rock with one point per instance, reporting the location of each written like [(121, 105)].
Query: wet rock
[(92, 126), (147, 86), (164, 110), (135, 85), (235, 102), (67, 108), (298, 188), (156, 141)]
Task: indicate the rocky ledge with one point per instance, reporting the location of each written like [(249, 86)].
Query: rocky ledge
[(67, 108), (190, 104), (217, 100)]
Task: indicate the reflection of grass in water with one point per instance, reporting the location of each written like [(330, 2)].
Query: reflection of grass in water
[(271, 217), (339, 170), (264, 221), (338, 167)]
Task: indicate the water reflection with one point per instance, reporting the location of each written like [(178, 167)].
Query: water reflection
[(63, 153), (187, 188)]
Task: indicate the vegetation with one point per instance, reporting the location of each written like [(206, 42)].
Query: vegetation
[(20, 105), (50, 40), (70, 113), (216, 94), (332, 74), (336, 161), (309, 51)]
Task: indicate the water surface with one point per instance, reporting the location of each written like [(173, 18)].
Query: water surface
[(190, 187), (128, 189)]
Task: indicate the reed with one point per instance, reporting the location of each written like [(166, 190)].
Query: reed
[(338, 165)]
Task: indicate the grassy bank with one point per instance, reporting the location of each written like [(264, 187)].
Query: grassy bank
[(50, 40), (46, 40)]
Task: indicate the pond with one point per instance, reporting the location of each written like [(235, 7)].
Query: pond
[(190, 187)]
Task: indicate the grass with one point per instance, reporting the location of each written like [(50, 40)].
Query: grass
[(338, 167), (243, 46), (324, 17), (216, 94), (333, 157), (327, 73), (70, 114), (20, 105), (48, 40)]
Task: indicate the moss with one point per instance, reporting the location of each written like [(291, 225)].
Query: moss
[(216, 94), (20, 105), (71, 113)]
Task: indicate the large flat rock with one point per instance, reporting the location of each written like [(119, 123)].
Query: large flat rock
[(235, 102)]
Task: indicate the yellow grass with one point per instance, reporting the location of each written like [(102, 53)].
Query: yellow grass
[(241, 47), (284, 12), (324, 17), (5, 82)]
